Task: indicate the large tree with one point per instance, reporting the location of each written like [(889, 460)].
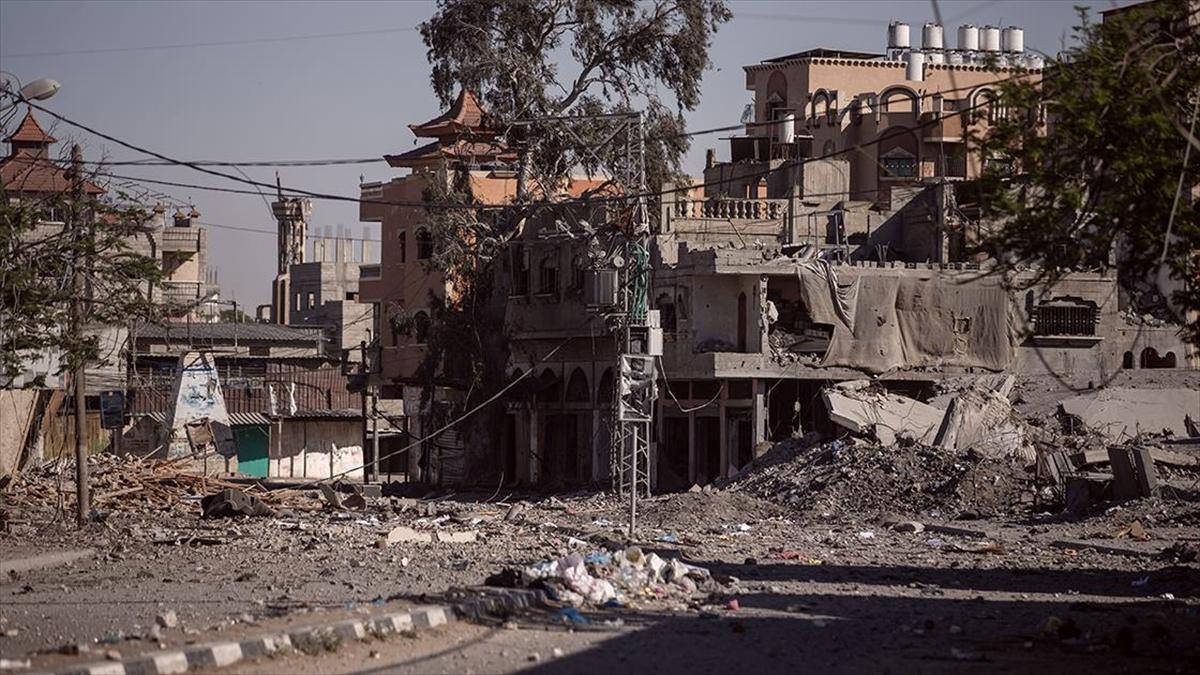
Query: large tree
[(1099, 166), (38, 254), (529, 61)]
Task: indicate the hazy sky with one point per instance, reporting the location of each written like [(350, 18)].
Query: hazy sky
[(260, 86)]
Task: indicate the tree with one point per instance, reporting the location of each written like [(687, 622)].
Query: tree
[(36, 262), (1094, 161), (529, 61)]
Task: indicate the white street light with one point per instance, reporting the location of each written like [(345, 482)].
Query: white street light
[(38, 90)]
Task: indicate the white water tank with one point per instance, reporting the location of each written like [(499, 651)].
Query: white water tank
[(931, 36), (1035, 61), (898, 35), (968, 37), (955, 58), (989, 36), (1013, 39), (787, 128), (935, 56), (916, 67)]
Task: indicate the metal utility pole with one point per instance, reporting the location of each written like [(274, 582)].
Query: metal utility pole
[(635, 392), (82, 496)]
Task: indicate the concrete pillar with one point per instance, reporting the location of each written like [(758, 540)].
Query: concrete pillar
[(534, 466), (723, 435), (691, 417), (758, 414), (764, 326), (598, 472)]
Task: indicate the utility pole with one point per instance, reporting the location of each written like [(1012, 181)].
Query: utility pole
[(82, 498)]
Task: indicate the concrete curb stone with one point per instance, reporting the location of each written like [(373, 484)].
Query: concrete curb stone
[(220, 654)]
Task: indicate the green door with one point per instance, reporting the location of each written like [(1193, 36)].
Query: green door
[(252, 443)]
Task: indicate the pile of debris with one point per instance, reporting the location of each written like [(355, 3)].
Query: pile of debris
[(853, 474), (608, 578)]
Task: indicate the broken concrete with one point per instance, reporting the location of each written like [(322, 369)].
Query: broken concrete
[(1119, 413), (863, 409)]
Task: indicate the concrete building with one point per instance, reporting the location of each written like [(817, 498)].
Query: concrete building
[(324, 291)]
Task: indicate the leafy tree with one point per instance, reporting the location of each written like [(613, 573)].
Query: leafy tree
[(527, 61), (36, 292), (1097, 155)]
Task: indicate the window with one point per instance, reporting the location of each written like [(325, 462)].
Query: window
[(520, 270), (424, 244), (403, 246), (421, 327), (548, 275), (1066, 317), (898, 163), (312, 300)]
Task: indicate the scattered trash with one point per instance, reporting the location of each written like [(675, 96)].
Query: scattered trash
[(866, 535), (572, 616), (607, 578)]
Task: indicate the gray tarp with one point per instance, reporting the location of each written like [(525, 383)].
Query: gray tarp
[(887, 321)]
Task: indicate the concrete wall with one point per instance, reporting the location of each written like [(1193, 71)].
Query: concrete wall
[(316, 448), (16, 415)]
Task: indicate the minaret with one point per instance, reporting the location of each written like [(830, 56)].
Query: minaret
[(291, 216)]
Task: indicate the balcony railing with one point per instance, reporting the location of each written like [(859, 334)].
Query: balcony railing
[(731, 209)]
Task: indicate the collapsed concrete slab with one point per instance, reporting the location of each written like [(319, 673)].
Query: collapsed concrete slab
[(863, 409), (1119, 413), (981, 418)]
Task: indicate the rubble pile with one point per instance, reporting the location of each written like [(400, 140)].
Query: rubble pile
[(125, 484), (609, 578), (856, 475)]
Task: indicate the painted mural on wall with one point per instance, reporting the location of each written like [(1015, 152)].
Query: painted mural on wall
[(199, 419)]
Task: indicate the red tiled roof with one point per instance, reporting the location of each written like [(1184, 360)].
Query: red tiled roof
[(30, 132), (26, 172), (464, 115), (470, 151)]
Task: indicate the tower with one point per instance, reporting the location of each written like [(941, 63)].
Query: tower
[(291, 217)]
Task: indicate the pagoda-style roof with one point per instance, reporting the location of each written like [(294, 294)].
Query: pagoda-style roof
[(473, 152), (464, 116), (30, 132)]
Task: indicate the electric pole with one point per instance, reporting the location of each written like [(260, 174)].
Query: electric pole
[(82, 498)]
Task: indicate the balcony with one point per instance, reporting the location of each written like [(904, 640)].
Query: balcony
[(945, 129), (730, 209), (186, 240)]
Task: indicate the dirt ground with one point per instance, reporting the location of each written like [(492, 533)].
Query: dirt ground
[(846, 558)]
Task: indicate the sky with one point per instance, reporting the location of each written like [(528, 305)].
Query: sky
[(280, 80)]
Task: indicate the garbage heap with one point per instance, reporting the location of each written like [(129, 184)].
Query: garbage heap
[(609, 578)]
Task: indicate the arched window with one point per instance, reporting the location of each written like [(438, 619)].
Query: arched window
[(577, 387), (899, 100), (666, 312), (604, 393), (548, 274), (549, 387), (424, 244), (421, 327), (403, 246)]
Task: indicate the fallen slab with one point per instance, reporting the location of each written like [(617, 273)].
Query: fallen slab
[(1120, 413), (1100, 547), (861, 409)]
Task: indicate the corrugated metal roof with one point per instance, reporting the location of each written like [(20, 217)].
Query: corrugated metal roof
[(247, 419), (267, 332)]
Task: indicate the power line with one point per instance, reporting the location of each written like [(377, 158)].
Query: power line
[(221, 43)]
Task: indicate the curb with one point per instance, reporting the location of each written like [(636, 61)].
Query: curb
[(43, 561), (221, 654)]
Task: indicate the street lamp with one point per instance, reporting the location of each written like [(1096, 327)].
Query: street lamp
[(38, 90)]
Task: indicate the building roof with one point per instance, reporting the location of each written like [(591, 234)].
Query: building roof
[(30, 131), (465, 114), (824, 53), (474, 152), (25, 171), (261, 332)]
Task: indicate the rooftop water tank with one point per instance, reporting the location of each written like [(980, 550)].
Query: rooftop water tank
[(955, 58), (968, 37), (990, 39), (931, 35), (935, 56), (1035, 61), (898, 35), (916, 67), (1013, 39)]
